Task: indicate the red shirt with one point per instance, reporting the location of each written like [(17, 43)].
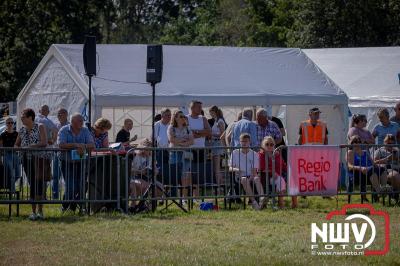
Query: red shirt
[(280, 165)]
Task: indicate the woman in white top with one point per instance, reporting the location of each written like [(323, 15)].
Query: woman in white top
[(33, 135), (216, 145)]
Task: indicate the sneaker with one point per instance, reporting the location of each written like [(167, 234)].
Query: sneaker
[(255, 205), (32, 217), (263, 202), (40, 216)]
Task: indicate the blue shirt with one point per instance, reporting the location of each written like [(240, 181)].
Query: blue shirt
[(381, 131), (244, 126), (49, 125), (65, 136)]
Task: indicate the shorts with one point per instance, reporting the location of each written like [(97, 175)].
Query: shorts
[(279, 183), (216, 147), (176, 157)]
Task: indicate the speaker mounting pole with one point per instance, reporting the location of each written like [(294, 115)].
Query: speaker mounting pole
[(153, 141), (90, 100), (153, 76)]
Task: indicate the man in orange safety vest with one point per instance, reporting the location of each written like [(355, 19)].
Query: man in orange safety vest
[(313, 131)]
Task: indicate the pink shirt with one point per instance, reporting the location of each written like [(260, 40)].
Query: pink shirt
[(364, 134)]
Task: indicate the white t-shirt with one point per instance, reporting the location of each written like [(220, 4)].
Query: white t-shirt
[(161, 135), (197, 124), (244, 161)]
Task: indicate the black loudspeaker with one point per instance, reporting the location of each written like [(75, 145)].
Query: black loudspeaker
[(154, 63), (89, 55)]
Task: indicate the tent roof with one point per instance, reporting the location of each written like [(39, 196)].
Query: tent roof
[(369, 76), (216, 75)]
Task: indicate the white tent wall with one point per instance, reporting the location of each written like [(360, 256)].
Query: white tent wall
[(333, 115), (229, 77), (53, 86), (368, 75)]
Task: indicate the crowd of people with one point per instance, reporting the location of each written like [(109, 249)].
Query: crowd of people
[(190, 138)]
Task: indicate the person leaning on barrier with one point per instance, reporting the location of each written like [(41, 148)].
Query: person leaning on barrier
[(358, 127), (244, 162), (141, 169), (124, 135), (388, 157), (100, 132), (279, 174), (361, 167), (33, 135), (11, 162), (313, 131), (385, 127), (74, 137), (266, 127)]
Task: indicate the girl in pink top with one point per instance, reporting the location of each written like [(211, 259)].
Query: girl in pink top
[(358, 124)]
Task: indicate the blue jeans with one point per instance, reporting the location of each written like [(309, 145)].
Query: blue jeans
[(176, 157), (74, 173), (13, 168)]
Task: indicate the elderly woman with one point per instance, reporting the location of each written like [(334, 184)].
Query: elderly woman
[(361, 167), (388, 157), (277, 177), (33, 135), (100, 132), (358, 127), (180, 136)]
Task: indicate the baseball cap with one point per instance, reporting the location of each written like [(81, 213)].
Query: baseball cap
[(314, 110)]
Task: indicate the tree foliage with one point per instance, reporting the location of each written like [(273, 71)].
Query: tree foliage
[(29, 27)]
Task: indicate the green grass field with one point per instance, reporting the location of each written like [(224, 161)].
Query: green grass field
[(234, 237)]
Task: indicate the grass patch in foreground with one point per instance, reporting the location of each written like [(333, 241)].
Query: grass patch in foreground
[(236, 237)]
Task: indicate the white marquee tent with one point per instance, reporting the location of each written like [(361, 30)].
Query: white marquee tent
[(284, 80), (369, 76)]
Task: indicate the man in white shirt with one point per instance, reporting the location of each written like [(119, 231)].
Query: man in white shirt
[(244, 161), (200, 128), (161, 136)]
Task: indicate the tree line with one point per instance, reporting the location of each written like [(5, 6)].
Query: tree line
[(29, 27)]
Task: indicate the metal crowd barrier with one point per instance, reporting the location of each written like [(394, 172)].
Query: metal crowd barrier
[(109, 180), (379, 179), (87, 183), (187, 175)]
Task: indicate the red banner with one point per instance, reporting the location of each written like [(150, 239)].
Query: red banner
[(313, 170)]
